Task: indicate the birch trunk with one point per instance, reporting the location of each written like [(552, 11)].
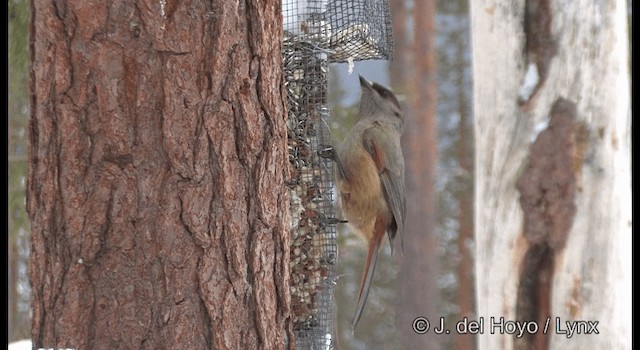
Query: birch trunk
[(553, 186)]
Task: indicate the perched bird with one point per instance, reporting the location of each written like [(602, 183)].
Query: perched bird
[(370, 177)]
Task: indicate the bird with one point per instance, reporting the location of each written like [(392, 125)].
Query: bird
[(370, 178)]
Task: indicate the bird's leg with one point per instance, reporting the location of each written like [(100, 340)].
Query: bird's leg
[(329, 152)]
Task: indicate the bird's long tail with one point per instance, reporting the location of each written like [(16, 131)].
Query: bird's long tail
[(369, 270)]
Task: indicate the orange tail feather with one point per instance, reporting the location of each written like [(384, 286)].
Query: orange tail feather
[(369, 270)]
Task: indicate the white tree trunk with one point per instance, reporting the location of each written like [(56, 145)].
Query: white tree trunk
[(585, 63)]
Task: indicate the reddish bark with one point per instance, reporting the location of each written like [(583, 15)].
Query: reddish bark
[(418, 292), (399, 67), (155, 190)]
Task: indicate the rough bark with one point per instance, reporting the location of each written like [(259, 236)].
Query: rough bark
[(553, 203), (155, 191), (418, 292)]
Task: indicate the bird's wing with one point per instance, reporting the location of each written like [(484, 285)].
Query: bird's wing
[(387, 155)]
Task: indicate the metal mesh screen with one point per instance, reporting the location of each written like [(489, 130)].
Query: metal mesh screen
[(313, 249), (345, 30), (316, 34)]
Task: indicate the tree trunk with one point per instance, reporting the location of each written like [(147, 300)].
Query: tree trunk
[(553, 199), (156, 183), (400, 66), (418, 291), (464, 153)]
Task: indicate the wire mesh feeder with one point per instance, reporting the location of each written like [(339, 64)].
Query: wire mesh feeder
[(317, 33), (313, 249), (346, 29)]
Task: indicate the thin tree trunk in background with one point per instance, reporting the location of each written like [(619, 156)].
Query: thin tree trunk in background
[(157, 159), (465, 263), (400, 66), (553, 171), (418, 290)]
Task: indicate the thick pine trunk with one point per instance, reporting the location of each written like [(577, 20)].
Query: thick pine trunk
[(553, 199), (157, 160)]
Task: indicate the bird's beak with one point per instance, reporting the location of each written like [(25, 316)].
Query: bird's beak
[(364, 82)]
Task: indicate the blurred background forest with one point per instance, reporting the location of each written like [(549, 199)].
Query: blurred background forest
[(18, 119), (453, 230), (453, 184)]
